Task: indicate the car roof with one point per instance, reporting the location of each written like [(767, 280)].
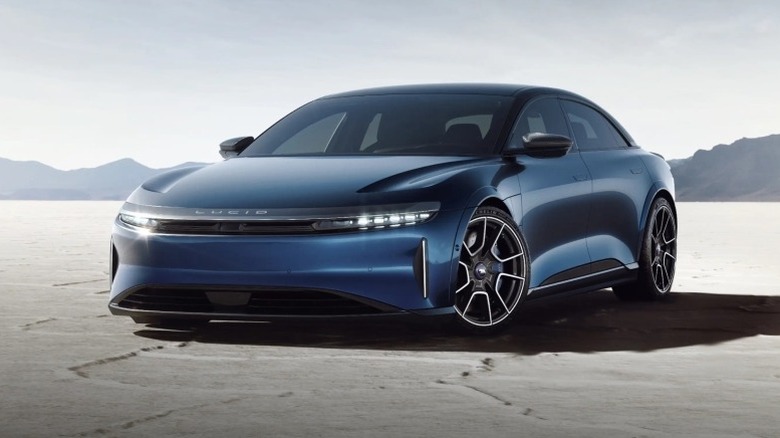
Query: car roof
[(461, 88)]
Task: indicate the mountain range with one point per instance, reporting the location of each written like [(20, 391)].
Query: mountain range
[(746, 170), (36, 181)]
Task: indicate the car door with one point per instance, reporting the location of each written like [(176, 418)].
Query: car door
[(554, 197), (620, 185)]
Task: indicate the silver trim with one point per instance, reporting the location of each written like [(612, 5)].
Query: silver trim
[(425, 267), (275, 214), (468, 277), (547, 286)]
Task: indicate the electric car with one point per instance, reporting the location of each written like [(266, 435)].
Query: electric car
[(454, 200)]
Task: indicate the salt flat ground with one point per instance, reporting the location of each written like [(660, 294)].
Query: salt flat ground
[(704, 363)]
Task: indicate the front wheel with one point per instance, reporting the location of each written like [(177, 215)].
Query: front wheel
[(492, 277), (657, 258)]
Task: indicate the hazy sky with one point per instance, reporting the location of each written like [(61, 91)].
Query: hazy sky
[(84, 82)]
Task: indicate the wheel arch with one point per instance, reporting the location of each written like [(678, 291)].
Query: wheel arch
[(663, 193), (655, 193), (484, 197), (496, 203), (490, 196)]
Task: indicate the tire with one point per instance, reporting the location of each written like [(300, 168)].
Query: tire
[(657, 258), (493, 272)]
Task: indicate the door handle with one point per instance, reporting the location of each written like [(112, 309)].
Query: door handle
[(581, 177), (637, 170)]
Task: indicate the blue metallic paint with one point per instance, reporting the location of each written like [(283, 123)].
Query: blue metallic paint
[(572, 210)]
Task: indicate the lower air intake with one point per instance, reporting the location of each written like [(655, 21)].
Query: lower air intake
[(292, 302)]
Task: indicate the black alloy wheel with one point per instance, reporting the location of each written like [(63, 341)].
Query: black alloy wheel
[(493, 271), (657, 258)]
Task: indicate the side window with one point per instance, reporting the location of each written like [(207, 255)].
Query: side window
[(313, 138), (592, 130), (543, 115)]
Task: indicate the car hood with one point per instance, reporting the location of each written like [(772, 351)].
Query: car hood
[(302, 182)]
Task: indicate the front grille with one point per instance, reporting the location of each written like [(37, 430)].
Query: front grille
[(276, 302), (231, 227)]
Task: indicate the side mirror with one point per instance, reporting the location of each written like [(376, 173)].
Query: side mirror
[(539, 144), (546, 145), (234, 146)]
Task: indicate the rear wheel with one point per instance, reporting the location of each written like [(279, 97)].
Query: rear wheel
[(657, 258), (492, 277)]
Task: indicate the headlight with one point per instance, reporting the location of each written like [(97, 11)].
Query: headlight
[(291, 221), (375, 221), (139, 221)]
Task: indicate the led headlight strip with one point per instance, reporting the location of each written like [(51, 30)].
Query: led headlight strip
[(139, 221), (376, 221)]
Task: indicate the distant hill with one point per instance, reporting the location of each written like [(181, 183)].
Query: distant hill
[(36, 181), (746, 170), (677, 162)]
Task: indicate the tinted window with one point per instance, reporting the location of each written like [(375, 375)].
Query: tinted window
[(482, 121), (402, 124), (591, 129), (370, 136), (543, 115), (313, 138)]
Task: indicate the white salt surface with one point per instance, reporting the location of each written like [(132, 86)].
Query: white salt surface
[(705, 363)]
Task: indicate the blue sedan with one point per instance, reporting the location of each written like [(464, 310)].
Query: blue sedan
[(459, 200)]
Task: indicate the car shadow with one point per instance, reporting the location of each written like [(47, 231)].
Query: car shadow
[(593, 322)]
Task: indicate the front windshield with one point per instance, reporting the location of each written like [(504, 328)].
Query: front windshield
[(399, 124)]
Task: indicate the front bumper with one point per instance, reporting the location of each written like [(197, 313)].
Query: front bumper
[(361, 273)]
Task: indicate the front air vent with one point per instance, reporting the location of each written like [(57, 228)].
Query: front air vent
[(305, 302), (270, 302), (114, 261), (168, 300)]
